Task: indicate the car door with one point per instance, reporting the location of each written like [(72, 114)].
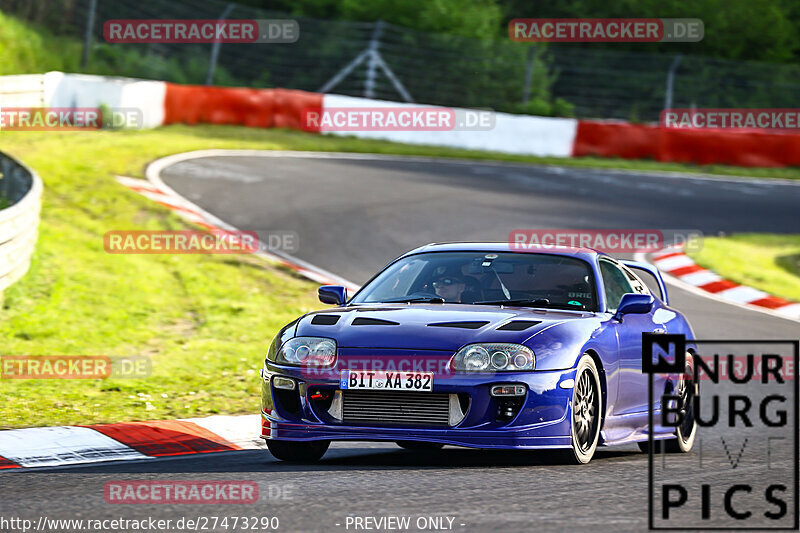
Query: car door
[(632, 383)]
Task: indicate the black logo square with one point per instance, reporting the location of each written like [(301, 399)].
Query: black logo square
[(672, 346)]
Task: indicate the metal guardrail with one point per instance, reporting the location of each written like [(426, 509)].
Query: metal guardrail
[(19, 222)]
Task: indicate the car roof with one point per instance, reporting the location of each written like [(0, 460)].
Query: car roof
[(587, 254)]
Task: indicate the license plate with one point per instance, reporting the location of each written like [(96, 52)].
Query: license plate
[(392, 381)]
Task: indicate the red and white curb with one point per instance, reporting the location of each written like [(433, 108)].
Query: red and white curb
[(166, 197), (674, 262), (69, 445)]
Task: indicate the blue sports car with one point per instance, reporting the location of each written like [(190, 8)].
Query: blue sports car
[(479, 345)]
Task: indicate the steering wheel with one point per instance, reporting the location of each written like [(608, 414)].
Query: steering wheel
[(422, 294)]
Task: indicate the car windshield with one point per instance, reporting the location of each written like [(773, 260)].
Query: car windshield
[(485, 278)]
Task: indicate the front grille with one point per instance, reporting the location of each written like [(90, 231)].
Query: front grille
[(396, 408)]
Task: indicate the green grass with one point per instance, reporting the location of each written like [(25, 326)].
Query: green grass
[(204, 320), (27, 49), (764, 261)]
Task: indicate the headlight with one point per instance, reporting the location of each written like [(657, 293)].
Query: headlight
[(308, 351), (493, 357)]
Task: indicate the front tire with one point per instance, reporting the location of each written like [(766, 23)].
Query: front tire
[(298, 452), (586, 412)]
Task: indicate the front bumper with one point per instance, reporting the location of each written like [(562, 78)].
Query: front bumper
[(542, 420)]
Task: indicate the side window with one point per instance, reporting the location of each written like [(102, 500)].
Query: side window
[(615, 283), (638, 285)]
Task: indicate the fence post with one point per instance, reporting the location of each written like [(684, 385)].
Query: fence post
[(212, 62), (671, 81), (87, 36), (372, 62)]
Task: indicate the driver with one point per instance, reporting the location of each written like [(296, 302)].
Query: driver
[(449, 287)]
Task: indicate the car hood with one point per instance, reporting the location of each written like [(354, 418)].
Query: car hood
[(429, 326)]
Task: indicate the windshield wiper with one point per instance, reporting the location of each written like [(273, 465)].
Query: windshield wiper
[(421, 299), (538, 302)]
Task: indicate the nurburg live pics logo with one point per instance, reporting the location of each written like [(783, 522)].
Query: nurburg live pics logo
[(742, 475)]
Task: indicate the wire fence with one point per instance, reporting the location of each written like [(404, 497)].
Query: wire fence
[(390, 62)]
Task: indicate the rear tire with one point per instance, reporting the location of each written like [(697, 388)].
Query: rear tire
[(685, 433), (419, 446), (586, 413), (298, 452)]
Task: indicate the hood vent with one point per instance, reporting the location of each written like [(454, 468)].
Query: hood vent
[(461, 325), (518, 325), (325, 320), (365, 321)]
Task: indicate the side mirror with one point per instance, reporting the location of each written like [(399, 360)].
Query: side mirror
[(634, 304), (332, 294)]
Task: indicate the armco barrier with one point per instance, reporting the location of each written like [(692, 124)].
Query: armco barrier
[(19, 222), (745, 148), (25, 90), (260, 108)]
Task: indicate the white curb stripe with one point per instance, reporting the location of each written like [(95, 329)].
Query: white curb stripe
[(135, 183), (742, 294), (243, 430), (62, 445), (702, 277), (666, 251), (791, 311), (674, 263)]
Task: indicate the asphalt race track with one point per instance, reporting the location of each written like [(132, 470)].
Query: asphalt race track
[(352, 215)]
